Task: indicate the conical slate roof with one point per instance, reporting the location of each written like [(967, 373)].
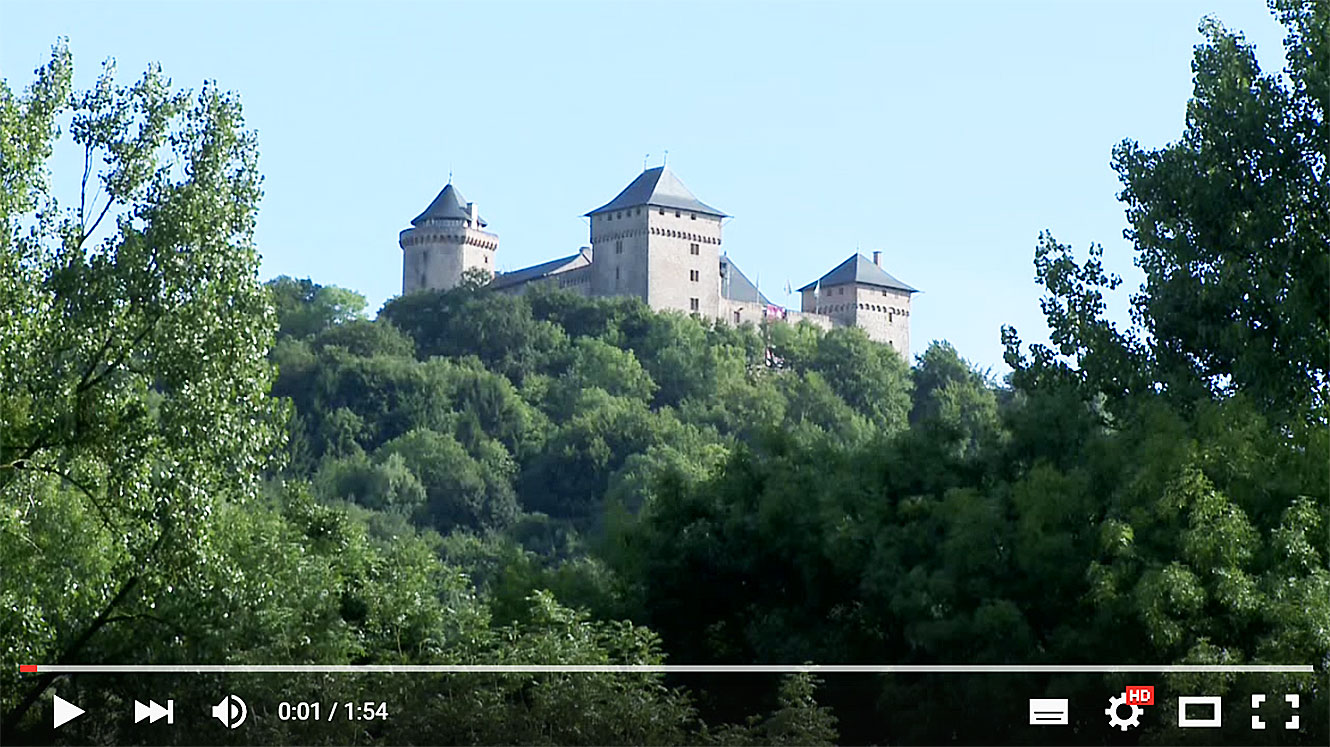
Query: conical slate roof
[(658, 187), (859, 269), (449, 205)]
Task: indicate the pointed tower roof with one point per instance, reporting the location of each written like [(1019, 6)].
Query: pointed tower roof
[(658, 187), (859, 269), (449, 205)]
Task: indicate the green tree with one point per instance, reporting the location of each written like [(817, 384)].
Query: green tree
[(365, 339), (305, 308), (138, 330), (461, 490), (1230, 227), (950, 395)]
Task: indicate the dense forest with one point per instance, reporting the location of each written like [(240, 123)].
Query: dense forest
[(196, 466)]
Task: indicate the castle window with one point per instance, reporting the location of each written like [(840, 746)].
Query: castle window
[(677, 214), (616, 274), (693, 275), (639, 212), (693, 304), (736, 317), (840, 291), (891, 317), (618, 215), (662, 211), (487, 260), (618, 246), (694, 250), (693, 216)]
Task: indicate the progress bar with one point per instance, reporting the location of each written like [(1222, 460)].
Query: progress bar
[(660, 668)]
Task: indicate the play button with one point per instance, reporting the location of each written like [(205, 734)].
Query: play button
[(65, 711)]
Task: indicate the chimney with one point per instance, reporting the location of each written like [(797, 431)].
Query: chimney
[(877, 258), (475, 219)]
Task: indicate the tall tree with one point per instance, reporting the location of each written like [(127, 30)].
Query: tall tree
[(1231, 226), (133, 334)]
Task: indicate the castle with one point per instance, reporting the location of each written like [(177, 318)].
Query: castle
[(658, 242)]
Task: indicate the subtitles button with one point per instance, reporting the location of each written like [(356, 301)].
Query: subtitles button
[(1048, 711)]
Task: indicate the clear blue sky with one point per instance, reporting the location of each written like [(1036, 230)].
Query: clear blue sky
[(946, 135)]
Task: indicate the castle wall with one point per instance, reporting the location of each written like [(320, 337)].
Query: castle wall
[(739, 312), (575, 281), (837, 302), (884, 313), (619, 243), (817, 320), (677, 278)]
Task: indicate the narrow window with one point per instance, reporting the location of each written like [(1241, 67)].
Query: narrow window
[(736, 317), (693, 275), (692, 304), (677, 213), (694, 250), (662, 211), (693, 216), (618, 246)]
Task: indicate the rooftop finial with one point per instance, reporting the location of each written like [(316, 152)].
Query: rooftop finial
[(644, 161), (450, 174), (667, 159)]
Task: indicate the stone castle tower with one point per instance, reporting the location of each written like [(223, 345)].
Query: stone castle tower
[(658, 242), (445, 241), (859, 293)]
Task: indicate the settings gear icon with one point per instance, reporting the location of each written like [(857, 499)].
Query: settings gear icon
[(1116, 702)]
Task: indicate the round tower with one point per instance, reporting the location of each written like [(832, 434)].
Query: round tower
[(445, 241)]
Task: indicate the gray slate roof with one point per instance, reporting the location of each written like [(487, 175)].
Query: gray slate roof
[(544, 269), (738, 287), (859, 269), (658, 187), (449, 205)]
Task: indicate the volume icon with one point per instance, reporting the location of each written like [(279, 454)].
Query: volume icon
[(153, 712), (231, 711)]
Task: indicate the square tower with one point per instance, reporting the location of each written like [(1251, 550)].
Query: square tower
[(860, 293), (658, 242)]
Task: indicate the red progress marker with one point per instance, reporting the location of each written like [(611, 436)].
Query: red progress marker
[(27, 667)]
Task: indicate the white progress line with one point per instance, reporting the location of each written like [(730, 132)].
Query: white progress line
[(666, 668)]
